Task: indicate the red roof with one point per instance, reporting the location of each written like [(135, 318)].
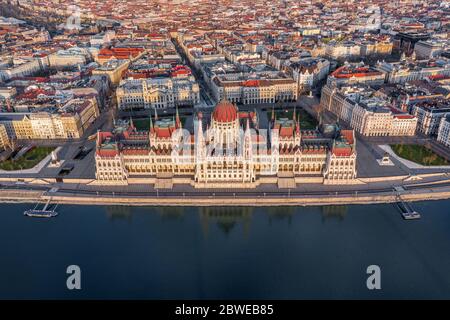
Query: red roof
[(136, 152), (225, 111), (251, 83), (346, 72), (33, 94), (346, 150), (342, 152), (404, 116), (246, 114), (119, 53), (437, 77), (348, 135), (36, 79), (107, 153), (163, 132), (286, 131)]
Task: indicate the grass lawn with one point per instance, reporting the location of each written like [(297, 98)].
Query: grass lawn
[(419, 154), (28, 160), (307, 122), (143, 124)]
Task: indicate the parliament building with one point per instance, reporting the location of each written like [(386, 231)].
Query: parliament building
[(228, 149)]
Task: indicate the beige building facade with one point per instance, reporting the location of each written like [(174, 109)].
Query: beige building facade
[(366, 114), (69, 122), (157, 93), (227, 151), (4, 138)]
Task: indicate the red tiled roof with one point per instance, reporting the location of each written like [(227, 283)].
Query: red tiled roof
[(348, 135), (107, 153), (225, 111), (163, 132), (135, 152), (286, 131), (119, 53), (437, 77), (346, 72), (404, 116), (251, 83), (342, 152)]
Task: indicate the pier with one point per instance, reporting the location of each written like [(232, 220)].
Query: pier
[(406, 209), (45, 212)]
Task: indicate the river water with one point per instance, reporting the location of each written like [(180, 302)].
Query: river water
[(218, 253)]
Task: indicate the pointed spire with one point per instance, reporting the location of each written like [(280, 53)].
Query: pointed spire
[(199, 124), (294, 114), (156, 115), (273, 114), (247, 140), (177, 120), (151, 123), (200, 141), (131, 123), (255, 118)]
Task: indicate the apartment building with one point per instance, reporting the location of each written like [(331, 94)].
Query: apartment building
[(367, 114), (268, 88), (430, 114), (410, 70), (307, 72), (159, 93), (114, 69), (4, 138), (67, 122), (431, 48), (356, 73), (444, 131)]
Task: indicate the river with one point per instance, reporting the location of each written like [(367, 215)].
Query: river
[(218, 253)]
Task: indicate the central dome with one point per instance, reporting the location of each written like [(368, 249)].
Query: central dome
[(225, 111)]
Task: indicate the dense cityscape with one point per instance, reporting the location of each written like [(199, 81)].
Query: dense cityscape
[(176, 138), (224, 94)]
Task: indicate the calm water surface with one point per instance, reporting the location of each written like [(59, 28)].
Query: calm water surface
[(199, 253)]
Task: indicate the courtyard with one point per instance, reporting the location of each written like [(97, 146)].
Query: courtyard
[(27, 161), (307, 122), (419, 154)]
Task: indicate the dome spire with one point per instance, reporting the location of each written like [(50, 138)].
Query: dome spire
[(225, 111)]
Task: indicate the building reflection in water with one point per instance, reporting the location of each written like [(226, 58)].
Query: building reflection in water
[(170, 213), (126, 212), (226, 218), (119, 212), (281, 213), (333, 212)]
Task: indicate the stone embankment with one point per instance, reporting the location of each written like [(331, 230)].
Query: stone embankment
[(434, 193)]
